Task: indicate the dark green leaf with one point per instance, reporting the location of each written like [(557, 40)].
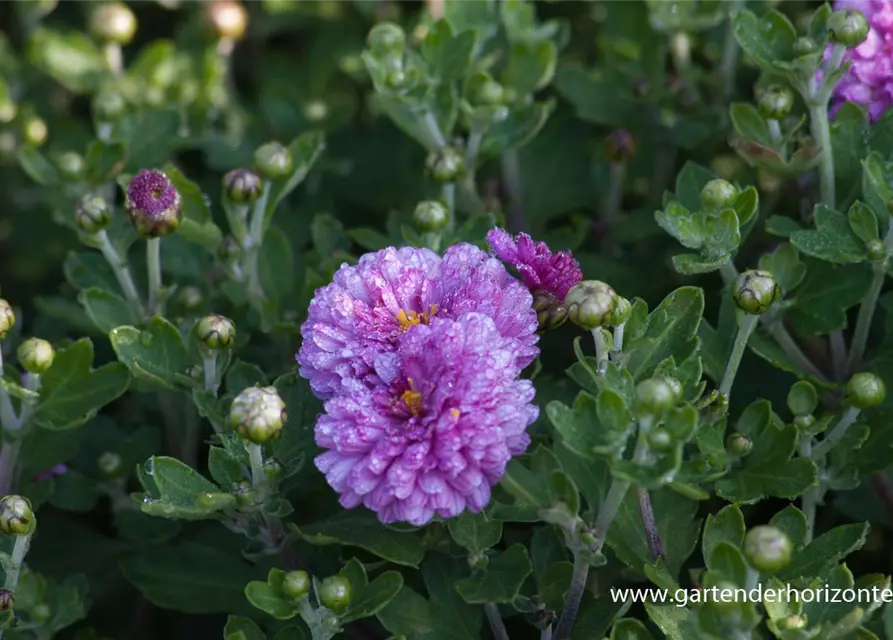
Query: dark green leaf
[(156, 354), (828, 548), (832, 240), (106, 309), (501, 580), (475, 531), (726, 526), (365, 531), (239, 628)]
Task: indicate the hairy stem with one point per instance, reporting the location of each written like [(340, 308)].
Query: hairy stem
[(745, 329), (821, 132), (209, 366), (153, 265), (496, 624), (652, 533), (836, 434), (579, 575), (863, 322), (252, 247), (16, 561), (602, 349), (728, 63), (121, 270), (774, 130), (256, 459)]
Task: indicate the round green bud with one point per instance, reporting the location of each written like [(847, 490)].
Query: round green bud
[(70, 165), (431, 215), (36, 355), (588, 537), (865, 390), (722, 596), (216, 332), (7, 600), (738, 444), (768, 549), (804, 423), (488, 93), (620, 146), (876, 251), (92, 214), (315, 110), (41, 613), (676, 386), (16, 516), (792, 622), (659, 439), (756, 291), (386, 38), (478, 560), (445, 165), (719, 194), (296, 584), (229, 251), (334, 593), (190, 298), (109, 106), (110, 464), (848, 27), (550, 311), (112, 22), (654, 396), (775, 102), (623, 310), (257, 414), (244, 493), (395, 77), (226, 18), (804, 46), (34, 131), (272, 468), (273, 161), (8, 110), (591, 304), (7, 318), (242, 186)]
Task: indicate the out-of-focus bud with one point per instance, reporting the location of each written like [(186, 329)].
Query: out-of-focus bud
[(108, 105), (767, 548), (296, 584), (804, 46), (153, 204), (272, 468), (190, 298), (242, 186), (16, 516), (738, 444), (110, 464), (273, 160), (257, 414), (431, 215), (756, 291), (112, 22), (34, 131), (41, 612), (334, 593), (592, 304), (718, 194), (620, 146), (92, 214), (877, 251), (865, 390), (445, 165), (551, 312), (848, 27), (216, 332), (659, 439), (244, 493), (7, 318), (227, 18), (229, 250), (70, 165), (775, 101), (386, 38), (792, 622), (804, 423), (36, 355), (7, 600), (655, 397)]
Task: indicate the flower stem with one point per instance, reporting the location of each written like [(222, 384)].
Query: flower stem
[(774, 130), (836, 434), (821, 132), (612, 204), (730, 52), (209, 365), (121, 270), (579, 575), (863, 322), (619, 330), (114, 58), (791, 349), (511, 180), (745, 329), (652, 533), (602, 350), (838, 354), (449, 199), (252, 247), (8, 418), (496, 623), (153, 266), (812, 496), (256, 459), (16, 560)]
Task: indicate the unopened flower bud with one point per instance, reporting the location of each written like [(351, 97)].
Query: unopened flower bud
[(70, 165), (848, 27), (153, 204), (804, 46), (227, 18), (620, 146), (756, 291), (41, 612), (487, 93), (112, 22), (92, 214), (242, 186), (230, 250), (190, 298), (804, 423), (775, 102), (273, 160), (431, 215), (16, 516), (767, 548), (722, 596), (675, 385), (272, 468), (34, 131), (719, 194), (738, 444), (36, 355), (244, 493), (654, 396), (215, 500), (792, 622), (477, 560), (445, 165), (550, 311), (216, 332), (865, 390), (315, 110), (296, 584), (7, 318), (110, 464), (659, 439), (876, 250), (108, 106), (802, 398), (7, 600), (257, 414), (334, 593), (386, 38), (591, 304)]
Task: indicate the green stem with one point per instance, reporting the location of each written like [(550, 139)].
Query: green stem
[(121, 270), (449, 199), (432, 127), (209, 365), (8, 419), (652, 533), (511, 180), (792, 350), (838, 354), (729, 59), (16, 561), (602, 350), (32, 383), (496, 623), (579, 575), (619, 330), (680, 49), (252, 247), (836, 434), (153, 266), (612, 204), (256, 459), (774, 130), (745, 329), (821, 131), (9, 458), (114, 58), (811, 497), (863, 322)]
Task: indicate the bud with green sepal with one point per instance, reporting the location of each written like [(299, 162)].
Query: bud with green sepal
[(386, 39), (190, 298), (334, 593), (92, 214), (477, 560), (848, 27), (738, 445), (550, 311), (243, 186), (227, 19), (804, 424), (244, 492), (70, 165), (660, 439), (272, 468), (257, 414), (230, 250), (153, 204), (865, 390), (112, 22), (110, 464), (36, 355), (775, 101), (755, 291), (445, 165), (592, 303), (431, 215), (296, 584), (767, 548), (655, 397), (876, 251), (7, 318), (16, 516), (216, 332), (804, 46), (273, 161), (719, 194), (481, 90)]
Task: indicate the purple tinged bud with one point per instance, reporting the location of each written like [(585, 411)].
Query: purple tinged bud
[(242, 185), (153, 204), (620, 146), (92, 214), (7, 600)]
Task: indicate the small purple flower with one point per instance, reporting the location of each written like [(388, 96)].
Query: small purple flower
[(554, 273), (154, 204), (354, 324), (58, 470), (869, 81), (437, 431)]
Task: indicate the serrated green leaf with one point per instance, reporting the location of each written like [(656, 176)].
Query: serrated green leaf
[(830, 547), (831, 240), (156, 354)]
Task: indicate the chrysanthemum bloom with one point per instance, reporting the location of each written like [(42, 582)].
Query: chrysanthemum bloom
[(869, 81), (541, 269), (153, 204), (439, 429), (354, 323)]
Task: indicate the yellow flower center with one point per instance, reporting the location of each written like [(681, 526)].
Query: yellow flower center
[(413, 318), (412, 398)]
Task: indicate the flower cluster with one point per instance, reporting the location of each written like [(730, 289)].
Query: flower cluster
[(418, 360), (869, 81)]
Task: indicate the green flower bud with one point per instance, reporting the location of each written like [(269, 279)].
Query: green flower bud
[(110, 464), (108, 106), (190, 298), (92, 214), (16, 516), (756, 291), (7, 318), (488, 93), (334, 593), (676, 386), (445, 165), (719, 194), (620, 146), (591, 304), (386, 38), (431, 215), (776, 101), (226, 18), (659, 439), (8, 110), (244, 493), (804, 423), (153, 204), (802, 398), (792, 622), (395, 78), (768, 549), (623, 310), (722, 596), (216, 332), (315, 110), (876, 250), (36, 355), (738, 444), (41, 613), (34, 131), (550, 311), (229, 251), (865, 390), (296, 584), (272, 468), (112, 22), (587, 534), (242, 186), (257, 414), (215, 500), (848, 27), (654, 396), (478, 560), (804, 46), (70, 165), (7, 600), (273, 161)]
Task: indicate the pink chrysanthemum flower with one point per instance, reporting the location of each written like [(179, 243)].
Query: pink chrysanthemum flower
[(554, 273), (354, 323), (869, 81), (437, 432)]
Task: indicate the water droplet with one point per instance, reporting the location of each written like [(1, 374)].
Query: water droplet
[(147, 499), (145, 338), (149, 467), (207, 199)]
